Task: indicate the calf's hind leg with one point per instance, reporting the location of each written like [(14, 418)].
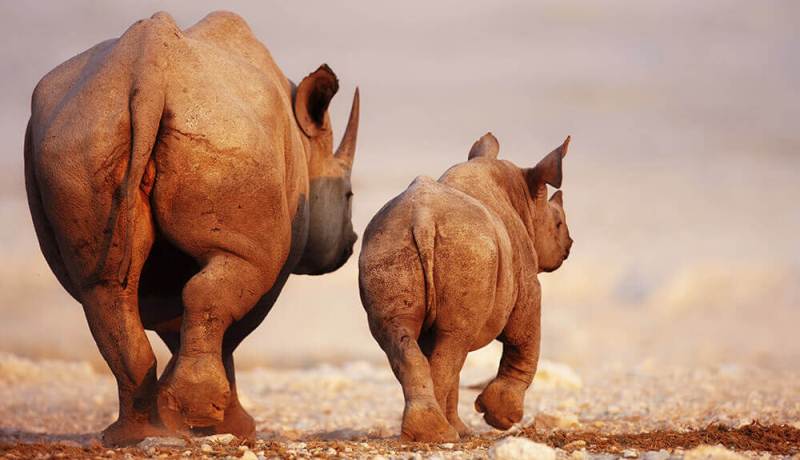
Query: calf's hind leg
[(446, 360), (423, 419)]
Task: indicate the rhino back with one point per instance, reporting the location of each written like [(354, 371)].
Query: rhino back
[(206, 101), (445, 247)]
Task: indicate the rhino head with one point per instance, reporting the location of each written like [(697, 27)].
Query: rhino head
[(330, 228), (551, 235)]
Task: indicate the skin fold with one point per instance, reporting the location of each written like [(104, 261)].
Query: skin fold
[(175, 179), (450, 265)]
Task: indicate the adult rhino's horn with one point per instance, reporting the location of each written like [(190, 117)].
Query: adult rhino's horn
[(347, 148)]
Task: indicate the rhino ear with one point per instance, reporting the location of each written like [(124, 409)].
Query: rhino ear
[(312, 98), (485, 147), (558, 198), (548, 171)]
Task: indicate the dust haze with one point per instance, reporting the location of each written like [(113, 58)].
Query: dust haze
[(681, 186)]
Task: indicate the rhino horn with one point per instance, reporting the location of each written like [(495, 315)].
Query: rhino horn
[(347, 147)]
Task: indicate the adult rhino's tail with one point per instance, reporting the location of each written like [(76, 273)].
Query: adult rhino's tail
[(146, 105)]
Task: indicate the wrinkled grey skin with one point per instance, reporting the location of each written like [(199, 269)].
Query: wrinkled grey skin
[(331, 236), (175, 179), (450, 265)]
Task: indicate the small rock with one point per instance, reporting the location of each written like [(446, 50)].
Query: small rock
[(296, 445), (206, 448), (69, 443), (447, 445), (224, 438), (574, 445), (152, 442), (718, 452), (248, 455), (187, 453), (579, 455), (552, 422), (512, 448), (630, 453), (330, 451), (656, 455)]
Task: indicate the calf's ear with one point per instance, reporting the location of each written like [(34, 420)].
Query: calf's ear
[(548, 171), (558, 198), (485, 147), (312, 98)]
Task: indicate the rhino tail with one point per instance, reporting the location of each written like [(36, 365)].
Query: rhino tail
[(146, 104), (424, 234)]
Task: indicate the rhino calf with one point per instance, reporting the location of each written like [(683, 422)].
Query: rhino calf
[(450, 265), (175, 179)]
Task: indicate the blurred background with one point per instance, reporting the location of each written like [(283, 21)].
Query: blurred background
[(682, 184)]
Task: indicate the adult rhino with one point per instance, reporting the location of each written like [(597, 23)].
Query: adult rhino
[(175, 180)]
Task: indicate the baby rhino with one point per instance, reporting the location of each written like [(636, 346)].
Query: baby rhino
[(450, 265)]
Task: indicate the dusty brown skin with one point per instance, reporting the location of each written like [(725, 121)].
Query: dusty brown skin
[(175, 180), (450, 265)]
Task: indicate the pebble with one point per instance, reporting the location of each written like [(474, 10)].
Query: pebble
[(555, 421), (153, 442), (717, 452), (248, 455), (206, 448), (656, 455), (579, 455), (513, 448), (447, 445), (577, 444), (224, 439), (630, 453)]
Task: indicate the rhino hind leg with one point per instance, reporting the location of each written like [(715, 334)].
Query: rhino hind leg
[(222, 292), (423, 418), (236, 420), (451, 411), (446, 360), (112, 311)]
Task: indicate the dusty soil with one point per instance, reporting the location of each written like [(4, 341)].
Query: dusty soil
[(781, 440), (55, 409)]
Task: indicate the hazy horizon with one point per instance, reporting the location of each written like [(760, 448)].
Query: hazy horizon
[(681, 185)]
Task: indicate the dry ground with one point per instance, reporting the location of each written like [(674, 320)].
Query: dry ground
[(55, 409)]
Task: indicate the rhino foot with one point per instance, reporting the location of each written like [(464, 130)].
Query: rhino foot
[(425, 422), (129, 431), (501, 403), (198, 390), (237, 422)]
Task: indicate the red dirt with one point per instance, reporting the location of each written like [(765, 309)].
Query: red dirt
[(776, 439)]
